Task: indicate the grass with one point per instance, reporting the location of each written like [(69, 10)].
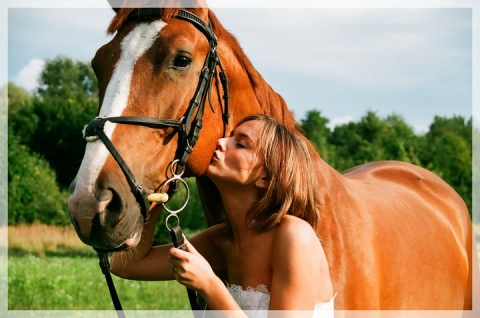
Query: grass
[(49, 268), (42, 240), (72, 283)]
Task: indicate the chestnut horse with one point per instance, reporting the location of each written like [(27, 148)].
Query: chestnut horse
[(396, 236)]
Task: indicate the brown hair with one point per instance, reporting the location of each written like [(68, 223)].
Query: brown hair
[(292, 188)]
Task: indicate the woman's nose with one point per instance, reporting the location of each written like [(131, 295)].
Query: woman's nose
[(221, 144)]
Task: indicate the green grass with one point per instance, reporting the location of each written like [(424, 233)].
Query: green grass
[(49, 268), (77, 283)]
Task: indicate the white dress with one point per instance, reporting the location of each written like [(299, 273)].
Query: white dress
[(254, 302)]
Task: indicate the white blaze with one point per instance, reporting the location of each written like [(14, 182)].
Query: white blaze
[(134, 45)]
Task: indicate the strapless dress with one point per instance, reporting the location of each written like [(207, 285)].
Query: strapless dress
[(254, 301)]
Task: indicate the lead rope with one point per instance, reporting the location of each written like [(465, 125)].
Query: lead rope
[(105, 266), (178, 239), (176, 234)]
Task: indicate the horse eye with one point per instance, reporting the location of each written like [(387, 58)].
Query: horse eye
[(182, 61)]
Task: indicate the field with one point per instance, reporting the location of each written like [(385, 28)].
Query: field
[(49, 268)]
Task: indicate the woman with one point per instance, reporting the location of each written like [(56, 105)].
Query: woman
[(267, 244)]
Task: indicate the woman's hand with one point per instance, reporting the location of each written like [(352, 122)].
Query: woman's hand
[(192, 269)]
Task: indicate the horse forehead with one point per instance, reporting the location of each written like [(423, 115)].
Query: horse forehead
[(132, 46)]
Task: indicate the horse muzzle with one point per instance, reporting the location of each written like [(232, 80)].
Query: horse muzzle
[(104, 219)]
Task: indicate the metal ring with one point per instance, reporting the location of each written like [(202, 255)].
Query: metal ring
[(168, 217), (172, 170), (187, 192)]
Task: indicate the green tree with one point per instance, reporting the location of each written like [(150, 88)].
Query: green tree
[(33, 194), (18, 98), (372, 139), (316, 130), (21, 117), (65, 102), (401, 142), (448, 153)]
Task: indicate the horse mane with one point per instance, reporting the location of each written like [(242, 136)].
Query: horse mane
[(165, 13), (271, 101)]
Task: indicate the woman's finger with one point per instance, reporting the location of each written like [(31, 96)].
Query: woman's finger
[(190, 247), (177, 254)]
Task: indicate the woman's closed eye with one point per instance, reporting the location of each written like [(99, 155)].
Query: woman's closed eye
[(240, 144)]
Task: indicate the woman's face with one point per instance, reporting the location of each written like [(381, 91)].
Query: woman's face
[(236, 160)]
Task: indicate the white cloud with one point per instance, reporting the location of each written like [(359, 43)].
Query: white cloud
[(29, 74), (339, 121), (390, 49)]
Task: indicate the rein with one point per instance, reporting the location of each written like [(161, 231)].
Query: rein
[(188, 127)]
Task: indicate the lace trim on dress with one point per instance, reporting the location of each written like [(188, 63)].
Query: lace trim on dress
[(255, 301), (250, 298), (262, 288)]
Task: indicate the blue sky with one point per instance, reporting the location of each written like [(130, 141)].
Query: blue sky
[(344, 61)]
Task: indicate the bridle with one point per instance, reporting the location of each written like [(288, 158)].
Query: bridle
[(188, 127)]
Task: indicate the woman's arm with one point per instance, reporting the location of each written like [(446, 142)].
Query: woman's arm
[(147, 262), (300, 275)]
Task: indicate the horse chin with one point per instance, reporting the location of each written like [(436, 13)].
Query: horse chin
[(108, 237)]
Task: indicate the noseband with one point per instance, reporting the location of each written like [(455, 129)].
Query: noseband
[(188, 127)]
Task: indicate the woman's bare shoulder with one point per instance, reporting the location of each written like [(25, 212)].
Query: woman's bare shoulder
[(294, 227), (295, 233)]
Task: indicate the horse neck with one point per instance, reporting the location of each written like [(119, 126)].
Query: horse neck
[(257, 96), (251, 94)]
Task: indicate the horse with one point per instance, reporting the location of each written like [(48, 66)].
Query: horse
[(172, 81)]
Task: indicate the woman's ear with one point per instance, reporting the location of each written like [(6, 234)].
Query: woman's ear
[(262, 182)]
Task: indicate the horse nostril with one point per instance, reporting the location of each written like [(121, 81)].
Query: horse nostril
[(103, 195), (109, 200)]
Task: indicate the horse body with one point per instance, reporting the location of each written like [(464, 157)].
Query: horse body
[(396, 236)]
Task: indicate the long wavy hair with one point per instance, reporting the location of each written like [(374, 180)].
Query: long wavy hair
[(292, 187)]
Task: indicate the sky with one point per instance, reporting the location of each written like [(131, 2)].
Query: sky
[(343, 60)]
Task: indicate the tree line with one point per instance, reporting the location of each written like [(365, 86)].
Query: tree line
[(45, 145)]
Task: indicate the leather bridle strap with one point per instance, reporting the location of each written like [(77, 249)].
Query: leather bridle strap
[(188, 128), (105, 266), (95, 128)]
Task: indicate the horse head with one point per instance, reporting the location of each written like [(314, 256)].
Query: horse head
[(160, 81)]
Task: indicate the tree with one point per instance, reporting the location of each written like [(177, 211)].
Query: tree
[(374, 139), (65, 102), (401, 142), (33, 194), (317, 131), (448, 153), (21, 117)]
